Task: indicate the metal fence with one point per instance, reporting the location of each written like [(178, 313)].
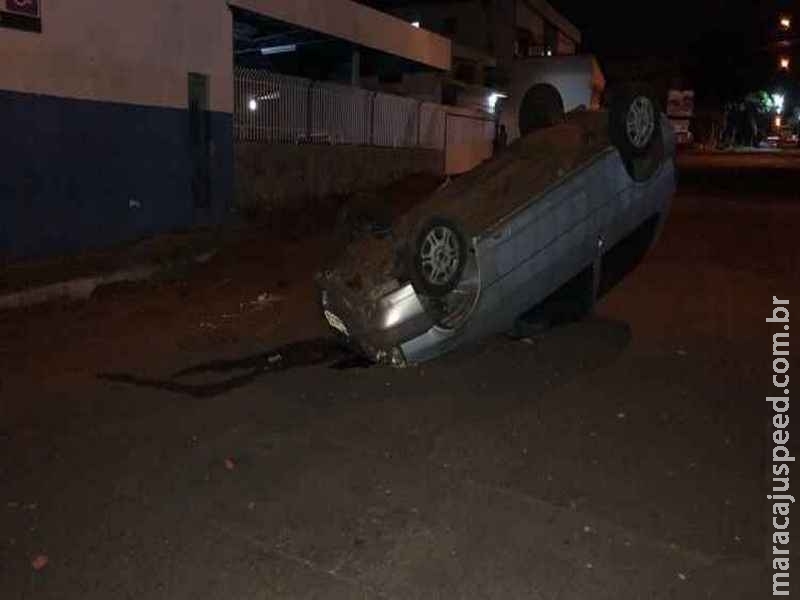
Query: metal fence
[(277, 108)]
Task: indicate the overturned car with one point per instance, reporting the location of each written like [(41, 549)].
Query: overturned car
[(569, 208)]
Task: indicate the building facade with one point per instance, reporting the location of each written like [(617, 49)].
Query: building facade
[(117, 117), (116, 123), (489, 38), (505, 30)]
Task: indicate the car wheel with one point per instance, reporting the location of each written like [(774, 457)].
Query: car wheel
[(635, 129), (439, 257), (542, 106)]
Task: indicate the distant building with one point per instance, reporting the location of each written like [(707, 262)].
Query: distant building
[(488, 37)]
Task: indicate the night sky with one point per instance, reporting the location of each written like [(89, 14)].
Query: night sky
[(626, 28), (723, 47)]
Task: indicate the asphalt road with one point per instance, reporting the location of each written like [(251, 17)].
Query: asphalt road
[(621, 457)]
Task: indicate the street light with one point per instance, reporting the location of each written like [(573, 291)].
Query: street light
[(785, 62), (778, 102), (270, 50), (493, 99), (786, 22)]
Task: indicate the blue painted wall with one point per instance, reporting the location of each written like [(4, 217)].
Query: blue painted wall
[(70, 168)]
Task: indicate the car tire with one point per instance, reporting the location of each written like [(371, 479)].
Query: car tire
[(635, 130), (439, 257), (542, 107)]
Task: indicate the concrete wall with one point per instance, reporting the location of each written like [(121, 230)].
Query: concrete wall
[(94, 117), (546, 10), (566, 46), (470, 136), (529, 19), (127, 52), (276, 180)]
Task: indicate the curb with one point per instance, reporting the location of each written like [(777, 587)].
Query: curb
[(82, 288)]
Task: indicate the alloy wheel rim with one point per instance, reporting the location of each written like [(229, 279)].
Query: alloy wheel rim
[(440, 256), (641, 122)]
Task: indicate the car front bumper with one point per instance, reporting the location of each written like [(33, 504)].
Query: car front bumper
[(375, 328)]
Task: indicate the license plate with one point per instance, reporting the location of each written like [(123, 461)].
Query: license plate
[(336, 323)]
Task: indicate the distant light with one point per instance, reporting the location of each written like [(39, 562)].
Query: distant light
[(786, 22), (256, 101), (416, 24), (778, 101), (778, 122), (270, 50), (493, 99), (549, 52), (785, 62)]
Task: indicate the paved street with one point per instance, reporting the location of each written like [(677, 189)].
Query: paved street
[(621, 457)]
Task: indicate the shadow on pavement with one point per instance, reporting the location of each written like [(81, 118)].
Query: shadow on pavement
[(305, 353), (595, 337)]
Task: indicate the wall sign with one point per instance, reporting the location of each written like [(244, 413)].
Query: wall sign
[(21, 14)]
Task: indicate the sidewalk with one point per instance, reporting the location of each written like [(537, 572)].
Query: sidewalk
[(76, 277), (256, 292), (767, 159), (739, 151)]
